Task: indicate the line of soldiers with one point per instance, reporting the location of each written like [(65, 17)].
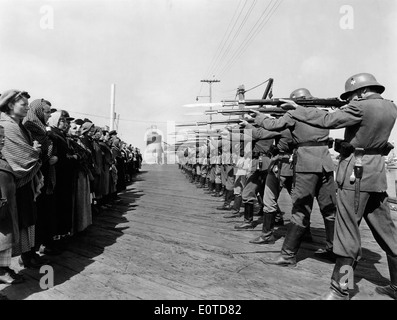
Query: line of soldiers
[(255, 161)]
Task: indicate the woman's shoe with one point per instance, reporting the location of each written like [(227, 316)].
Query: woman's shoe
[(13, 274), (6, 278), (30, 260)]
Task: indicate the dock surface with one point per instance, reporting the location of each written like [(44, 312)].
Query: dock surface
[(165, 240)]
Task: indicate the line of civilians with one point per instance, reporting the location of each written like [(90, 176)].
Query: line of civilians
[(56, 173)]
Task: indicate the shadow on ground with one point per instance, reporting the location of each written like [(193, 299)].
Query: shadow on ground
[(81, 249)]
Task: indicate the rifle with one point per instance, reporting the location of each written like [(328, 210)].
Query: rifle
[(328, 102), (204, 123), (271, 110)]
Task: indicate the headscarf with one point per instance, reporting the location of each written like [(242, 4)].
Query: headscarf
[(54, 120), (85, 127), (36, 113)]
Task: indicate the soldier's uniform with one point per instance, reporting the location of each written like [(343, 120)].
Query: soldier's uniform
[(227, 174), (360, 176), (314, 178), (262, 140), (280, 176)]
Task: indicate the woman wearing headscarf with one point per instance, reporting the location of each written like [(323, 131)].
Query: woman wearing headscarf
[(64, 168), (107, 164), (23, 156), (98, 158), (116, 150), (9, 232), (35, 121), (82, 212)]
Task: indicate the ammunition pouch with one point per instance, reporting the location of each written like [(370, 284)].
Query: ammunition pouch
[(344, 148), (274, 151), (330, 142), (386, 150)]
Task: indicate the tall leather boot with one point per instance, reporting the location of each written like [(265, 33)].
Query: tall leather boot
[(236, 208), (222, 190), (248, 218), (228, 200), (279, 220), (341, 279), (307, 236), (218, 187), (391, 289), (202, 182), (267, 236), (327, 253), (290, 246), (211, 187)]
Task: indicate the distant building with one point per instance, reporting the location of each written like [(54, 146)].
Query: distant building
[(154, 151)]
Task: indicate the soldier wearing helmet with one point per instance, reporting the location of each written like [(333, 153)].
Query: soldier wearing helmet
[(368, 120), (314, 178), (302, 93)]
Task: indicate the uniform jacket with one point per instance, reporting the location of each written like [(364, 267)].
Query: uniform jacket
[(368, 124), (308, 158), (261, 140)]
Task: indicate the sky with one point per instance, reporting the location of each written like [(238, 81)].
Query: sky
[(157, 52)]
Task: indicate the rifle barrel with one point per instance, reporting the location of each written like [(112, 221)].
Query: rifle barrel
[(328, 102)]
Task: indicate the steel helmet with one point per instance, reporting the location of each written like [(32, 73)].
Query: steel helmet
[(358, 81), (300, 93)]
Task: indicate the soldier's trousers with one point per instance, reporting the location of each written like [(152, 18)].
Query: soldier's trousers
[(239, 184), (374, 208), (211, 173), (273, 187), (227, 175), (307, 187), (255, 182), (218, 169)]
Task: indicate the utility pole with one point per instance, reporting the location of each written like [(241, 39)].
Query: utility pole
[(210, 83), (112, 105)]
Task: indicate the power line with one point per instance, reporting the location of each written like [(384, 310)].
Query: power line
[(228, 49), (225, 39), (252, 34)]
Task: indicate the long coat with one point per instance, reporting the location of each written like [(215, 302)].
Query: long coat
[(9, 231)]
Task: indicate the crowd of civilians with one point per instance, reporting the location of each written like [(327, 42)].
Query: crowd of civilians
[(56, 173)]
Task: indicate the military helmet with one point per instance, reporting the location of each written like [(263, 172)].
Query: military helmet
[(300, 93), (358, 81)]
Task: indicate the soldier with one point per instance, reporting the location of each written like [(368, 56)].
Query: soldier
[(280, 176), (261, 140), (227, 174), (368, 120), (314, 178)]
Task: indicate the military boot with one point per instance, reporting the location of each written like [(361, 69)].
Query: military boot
[(236, 208), (279, 220), (327, 253), (211, 187), (341, 280), (228, 200), (391, 289), (307, 236), (248, 218), (290, 246), (267, 236), (218, 187), (222, 191)]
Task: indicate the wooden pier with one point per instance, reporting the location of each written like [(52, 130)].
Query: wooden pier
[(165, 240)]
